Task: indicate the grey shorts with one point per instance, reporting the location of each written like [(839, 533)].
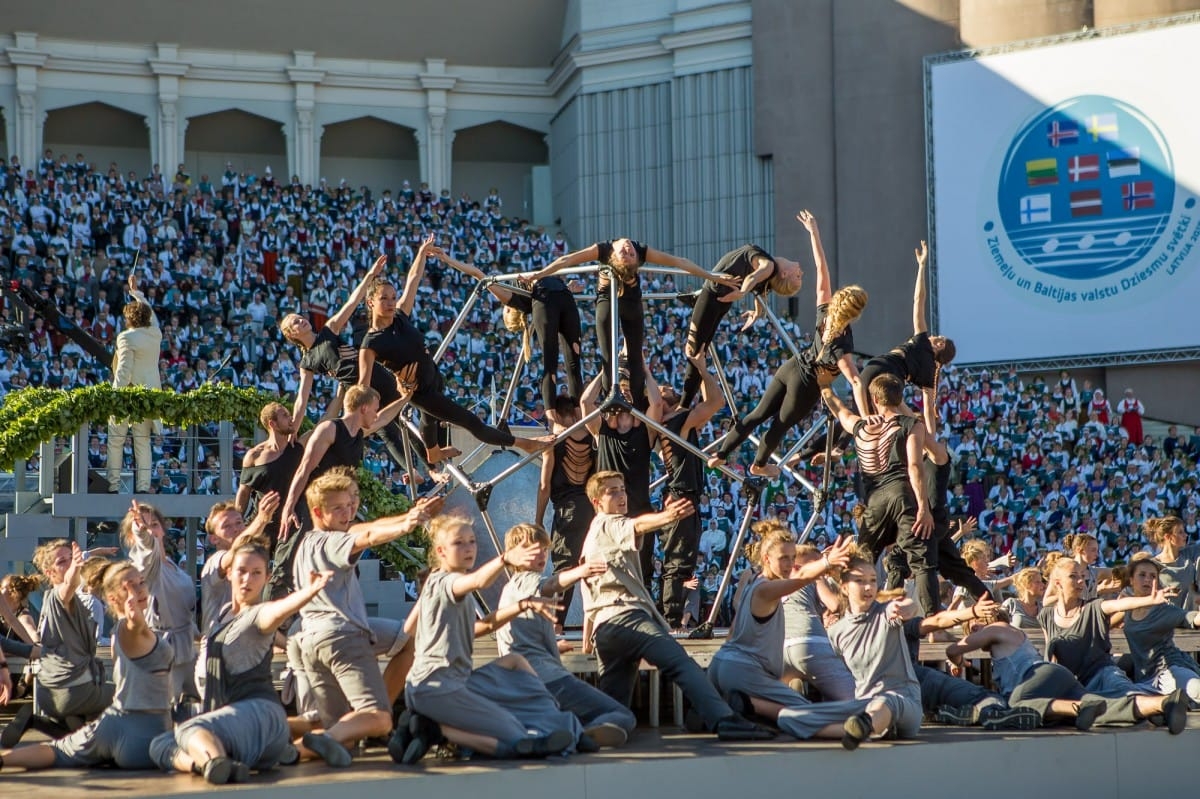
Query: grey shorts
[(117, 738), (253, 731), (343, 674)]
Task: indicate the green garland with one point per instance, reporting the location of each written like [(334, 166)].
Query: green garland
[(33, 415)]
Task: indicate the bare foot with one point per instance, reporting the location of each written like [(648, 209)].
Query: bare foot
[(438, 454), (536, 444), (766, 470), (716, 462)]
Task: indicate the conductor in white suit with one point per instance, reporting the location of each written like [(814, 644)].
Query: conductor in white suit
[(135, 364)]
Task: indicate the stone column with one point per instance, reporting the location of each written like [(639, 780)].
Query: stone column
[(27, 126), (166, 139), (435, 149), (304, 153)]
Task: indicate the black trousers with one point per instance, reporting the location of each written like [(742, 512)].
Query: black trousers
[(680, 542), (573, 516), (891, 512), (706, 316), (555, 314), (435, 405), (950, 563), (791, 395), (632, 319)]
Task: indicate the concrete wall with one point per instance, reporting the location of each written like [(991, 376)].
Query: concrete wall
[(839, 108)]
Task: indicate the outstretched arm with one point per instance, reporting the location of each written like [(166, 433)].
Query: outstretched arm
[(337, 322), (415, 272), (589, 402), (497, 290), (920, 317), (314, 450), (561, 581), (522, 557), (278, 611), (667, 259), (673, 511), (562, 262), (711, 398), (824, 287), (846, 418)]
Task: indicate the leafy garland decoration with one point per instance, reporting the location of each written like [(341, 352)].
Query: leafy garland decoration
[(33, 415)]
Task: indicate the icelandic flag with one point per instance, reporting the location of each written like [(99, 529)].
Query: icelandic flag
[(1042, 172), (1086, 203), (1102, 126), (1062, 131), (1139, 194), (1083, 167), (1035, 208), (1126, 163)]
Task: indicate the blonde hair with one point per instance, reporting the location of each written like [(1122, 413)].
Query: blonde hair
[(1075, 542), (216, 510), (771, 533), (23, 584), (975, 549), (439, 528), (1157, 529), (358, 397), (845, 306), (595, 483), (786, 286), (268, 413), (1023, 579), (332, 482), (43, 556), (1048, 563), (520, 535), (285, 327), (514, 321), (103, 578)]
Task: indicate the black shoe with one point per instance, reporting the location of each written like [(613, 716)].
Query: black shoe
[(401, 737), (739, 702), (856, 730), (1175, 711), (333, 753), (958, 715), (736, 728), (16, 728), (424, 734), (688, 298), (693, 722), (555, 743), (586, 745), (995, 717), (219, 770), (1087, 714)]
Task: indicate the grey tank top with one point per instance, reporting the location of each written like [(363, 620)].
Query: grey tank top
[(802, 613), (1007, 672), (762, 641), (143, 684)]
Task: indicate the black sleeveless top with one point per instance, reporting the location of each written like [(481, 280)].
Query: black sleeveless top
[(331, 357), (826, 356), (400, 345), (276, 475), (685, 472), (629, 454), (574, 463), (912, 361), (346, 450), (894, 463)]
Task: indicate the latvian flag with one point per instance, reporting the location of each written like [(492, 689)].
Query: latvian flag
[(1083, 167), (1126, 163), (1062, 131), (1042, 172), (1138, 195), (1086, 203)]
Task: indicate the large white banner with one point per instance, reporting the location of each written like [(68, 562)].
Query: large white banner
[(1065, 180)]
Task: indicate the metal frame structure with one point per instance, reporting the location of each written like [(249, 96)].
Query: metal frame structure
[(751, 487)]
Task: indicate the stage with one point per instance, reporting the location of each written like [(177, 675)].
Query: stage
[(972, 763)]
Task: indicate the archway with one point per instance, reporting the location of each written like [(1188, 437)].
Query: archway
[(368, 151), (247, 142), (103, 134), (499, 155)]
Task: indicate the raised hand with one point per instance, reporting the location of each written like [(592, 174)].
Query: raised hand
[(922, 254), (268, 506), (317, 580), (522, 557), (839, 553), (679, 508), (809, 221), (377, 268), (545, 606)]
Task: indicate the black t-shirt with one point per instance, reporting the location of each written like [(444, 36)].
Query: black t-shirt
[(521, 302), (402, 344), (740, 263), (824, 355), (919, 363), (629, 454), (331, 357), (1084, 647), (685, 472)]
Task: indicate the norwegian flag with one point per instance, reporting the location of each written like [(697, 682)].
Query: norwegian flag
[(1139, 194)]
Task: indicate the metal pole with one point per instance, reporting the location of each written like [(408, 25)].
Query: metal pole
[(752, 489)]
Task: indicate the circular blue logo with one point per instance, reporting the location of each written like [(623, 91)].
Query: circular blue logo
[(1087, 188)]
